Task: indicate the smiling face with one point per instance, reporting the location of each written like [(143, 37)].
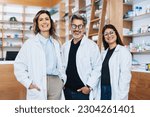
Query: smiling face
[(44, 23), (110, 37), (77, 29)]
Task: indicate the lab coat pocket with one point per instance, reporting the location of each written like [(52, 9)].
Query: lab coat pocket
[(33, 94)]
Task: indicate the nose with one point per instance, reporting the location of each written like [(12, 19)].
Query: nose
[(109, 35), (77, 28)]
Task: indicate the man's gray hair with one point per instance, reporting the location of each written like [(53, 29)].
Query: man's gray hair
[(79, 17)]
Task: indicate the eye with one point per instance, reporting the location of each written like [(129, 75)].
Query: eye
[(47, 18), (40, 19), (111, 32), (105, 34), (80, 26), (73, 26)]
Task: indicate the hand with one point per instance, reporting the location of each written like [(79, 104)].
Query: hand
[(34, 86), (84, 90)]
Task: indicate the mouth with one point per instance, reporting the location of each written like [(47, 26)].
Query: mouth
[(45, 26), (110, 38), (77, 32)]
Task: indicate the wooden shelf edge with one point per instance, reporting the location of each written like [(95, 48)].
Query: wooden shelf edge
[(95, 20), (92, 34)]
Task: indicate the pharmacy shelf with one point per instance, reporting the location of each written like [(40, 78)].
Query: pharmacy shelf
[(139, 17), (138, 35), (14, 22), (142, 52)]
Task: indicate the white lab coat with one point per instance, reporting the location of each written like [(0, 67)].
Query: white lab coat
[(30, 67), (120, 72), (88, 63)]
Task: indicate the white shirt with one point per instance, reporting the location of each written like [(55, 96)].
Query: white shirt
[(50, 54)]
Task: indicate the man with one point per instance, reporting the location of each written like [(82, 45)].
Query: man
[(82, 63)]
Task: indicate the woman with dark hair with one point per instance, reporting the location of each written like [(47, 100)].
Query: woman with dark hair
[(116, 66), (38, 64)]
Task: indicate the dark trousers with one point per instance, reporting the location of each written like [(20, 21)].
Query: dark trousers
[(105, 92), (74, 95)]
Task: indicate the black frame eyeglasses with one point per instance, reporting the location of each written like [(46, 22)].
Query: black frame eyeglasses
[(74, 26), (110, 33)]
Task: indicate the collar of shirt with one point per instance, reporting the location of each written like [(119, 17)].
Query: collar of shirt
[(43, 40)]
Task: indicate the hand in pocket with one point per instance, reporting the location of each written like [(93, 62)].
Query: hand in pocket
[(34, 86)]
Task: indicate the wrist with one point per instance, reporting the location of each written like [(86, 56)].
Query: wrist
[(89, 87)]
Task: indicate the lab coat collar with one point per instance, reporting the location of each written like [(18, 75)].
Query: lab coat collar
[(116, 49), (82, 40)]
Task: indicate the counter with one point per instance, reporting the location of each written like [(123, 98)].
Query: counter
[(140, 86), (10, 88), (6, 62), (140, 70)]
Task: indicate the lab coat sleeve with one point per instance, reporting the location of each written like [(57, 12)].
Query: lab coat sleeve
[(21, 66), (63, 64), (96, 62), (125, 74)]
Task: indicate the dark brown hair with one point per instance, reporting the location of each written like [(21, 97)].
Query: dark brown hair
[(118, 41), (36, 29)]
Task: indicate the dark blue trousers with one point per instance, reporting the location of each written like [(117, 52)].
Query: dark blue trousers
[(105, 92), (74, 95)]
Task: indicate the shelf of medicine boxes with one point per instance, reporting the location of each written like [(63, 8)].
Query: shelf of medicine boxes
[(128, 3), (16, 13), (16, 29), (13, 25), (14, 22), (127, 24), (83, 9), (9, 41), (146, 15), (131, 2), (78, 7), (0, 42), (142, 52), (138, 34)]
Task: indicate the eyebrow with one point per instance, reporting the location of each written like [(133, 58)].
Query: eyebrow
[(75, 24), (110, 31)]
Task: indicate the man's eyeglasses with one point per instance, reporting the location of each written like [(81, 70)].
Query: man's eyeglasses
[(74, 26), (110, 33)]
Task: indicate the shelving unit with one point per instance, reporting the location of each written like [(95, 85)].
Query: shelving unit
[(127, 24), (79, 7), (69, 5), (142, 52), (15, 25), (61, 23), (97, 21), (146, 15), (76, 6), (139, 35)]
